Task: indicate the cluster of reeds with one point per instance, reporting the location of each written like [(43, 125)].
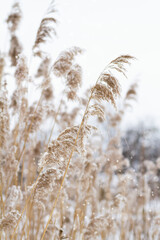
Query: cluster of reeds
[(59, 177)]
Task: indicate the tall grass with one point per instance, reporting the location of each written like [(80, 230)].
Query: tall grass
[(60, 178)]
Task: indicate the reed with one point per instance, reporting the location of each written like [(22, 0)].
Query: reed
[(59, 177)]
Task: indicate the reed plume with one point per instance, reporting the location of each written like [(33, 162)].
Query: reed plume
[(46, 30)]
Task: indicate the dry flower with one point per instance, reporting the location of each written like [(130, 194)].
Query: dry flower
[(65, 60), (14, 17)]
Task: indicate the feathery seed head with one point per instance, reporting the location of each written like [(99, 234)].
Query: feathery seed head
[(14, 18)]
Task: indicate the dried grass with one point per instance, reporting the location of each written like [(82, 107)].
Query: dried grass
[(70, 184)]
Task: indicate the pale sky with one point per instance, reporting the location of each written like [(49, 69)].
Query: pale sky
[(106, 29)]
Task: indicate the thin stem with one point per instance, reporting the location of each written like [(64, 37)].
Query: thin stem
[(55, 119)]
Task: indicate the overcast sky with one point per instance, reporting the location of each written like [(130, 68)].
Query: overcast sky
[(106, 29)]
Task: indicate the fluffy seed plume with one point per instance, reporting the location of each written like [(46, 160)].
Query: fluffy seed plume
[(74, 77), (107, 87), (60, 149), (96, 110), (9, 221), (21, 73), (112, 83), (43, 68), (101, 92), (63, 64), (74, 80), (46, 29), (98, 226), (131, 93), (118, 64), (14, 17), (15, 49)]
